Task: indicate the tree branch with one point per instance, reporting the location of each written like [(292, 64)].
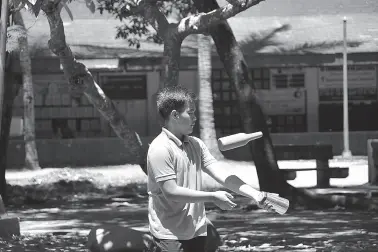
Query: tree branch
[(154, 16), (201, 22), (174, 34), (81, 81), (171, 59), (172, 41)]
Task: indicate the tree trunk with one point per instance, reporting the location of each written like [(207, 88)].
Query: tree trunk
[(254, 120), (11, 88), (82, 82), (31, 154), (206, 109), (251, 112)]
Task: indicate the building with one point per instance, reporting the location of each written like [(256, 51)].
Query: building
[(295, 62)]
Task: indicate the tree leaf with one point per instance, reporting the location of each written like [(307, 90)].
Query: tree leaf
[(90, 5), (136, 29), (68, 10), (27, 5), (36, 8), (16, 4)]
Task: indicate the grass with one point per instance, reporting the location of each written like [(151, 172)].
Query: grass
[(54, 184), (123, 175)]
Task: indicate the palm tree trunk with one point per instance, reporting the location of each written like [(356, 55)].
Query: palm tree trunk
[(251, 112), (31, 154), (11, 89), (206, 109)]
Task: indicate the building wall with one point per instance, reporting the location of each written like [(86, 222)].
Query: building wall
[(57, 116), (134, 107), (87, 152), (289, 94), (53, 103), (312, 99), (362, 97)]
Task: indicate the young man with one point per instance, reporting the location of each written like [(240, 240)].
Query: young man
[(175, 160)]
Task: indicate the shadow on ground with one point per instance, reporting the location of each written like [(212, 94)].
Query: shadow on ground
[(57, 212), (241, 230)]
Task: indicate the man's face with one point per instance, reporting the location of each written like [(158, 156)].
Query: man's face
[(186, 119)]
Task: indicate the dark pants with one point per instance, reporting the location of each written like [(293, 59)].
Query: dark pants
[(197, 244)]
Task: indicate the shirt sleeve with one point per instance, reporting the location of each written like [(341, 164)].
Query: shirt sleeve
[(160, 164), (206, 157)]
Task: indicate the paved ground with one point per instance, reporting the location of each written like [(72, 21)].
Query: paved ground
[(123, 175), (251, 231), (332, 230)]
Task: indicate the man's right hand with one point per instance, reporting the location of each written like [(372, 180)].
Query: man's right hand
[(223, 200)]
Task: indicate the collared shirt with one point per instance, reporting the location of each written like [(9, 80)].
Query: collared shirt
[(170, 158)]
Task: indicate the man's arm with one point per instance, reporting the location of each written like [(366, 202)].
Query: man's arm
[(212, 167), (180, 194), (232, 182), (177, 193)]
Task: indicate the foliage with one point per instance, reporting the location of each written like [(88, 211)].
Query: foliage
[(34, 6), (14, 32), (134, 27)]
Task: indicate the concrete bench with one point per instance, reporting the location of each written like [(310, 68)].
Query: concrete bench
[(322, 153)]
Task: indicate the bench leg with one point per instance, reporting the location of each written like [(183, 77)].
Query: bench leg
[(323, 173)]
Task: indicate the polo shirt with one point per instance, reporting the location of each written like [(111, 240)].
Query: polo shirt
[(169, 158)]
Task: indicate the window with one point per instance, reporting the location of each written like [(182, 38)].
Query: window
[(297, 80), (122, 87), (56, 115), (261, 78), (280, 80), (288, 80), (362, 117), (287, 123), (226, 107), (69, 127)]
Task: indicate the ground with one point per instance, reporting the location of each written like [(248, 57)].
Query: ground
[(58, 207)]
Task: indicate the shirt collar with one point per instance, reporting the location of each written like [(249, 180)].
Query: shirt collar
[(174, 138)]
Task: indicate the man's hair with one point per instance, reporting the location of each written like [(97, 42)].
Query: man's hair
[(173, 98)]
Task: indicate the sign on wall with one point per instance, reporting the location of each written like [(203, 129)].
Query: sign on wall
[(287, 93), (362, 83), (288, 101)]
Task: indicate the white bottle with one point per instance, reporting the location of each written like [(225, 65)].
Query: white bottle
[(237, 140)]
